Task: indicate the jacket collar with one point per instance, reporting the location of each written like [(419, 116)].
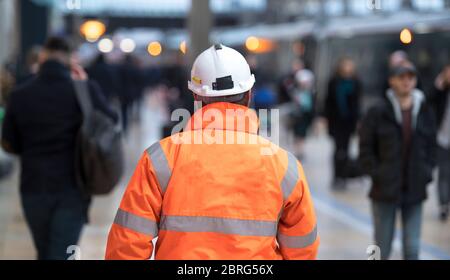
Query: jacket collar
[(52, 69), (418, 98), (224, 116)]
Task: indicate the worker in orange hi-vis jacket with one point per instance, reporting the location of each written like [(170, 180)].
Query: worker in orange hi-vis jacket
[(214, 191)]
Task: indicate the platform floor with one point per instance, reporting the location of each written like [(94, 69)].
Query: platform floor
[(344, 221)]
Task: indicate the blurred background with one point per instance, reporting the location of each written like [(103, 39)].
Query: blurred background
[(140, 52)]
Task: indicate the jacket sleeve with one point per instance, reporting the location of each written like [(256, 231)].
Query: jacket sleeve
[(368, 144), (136, 222), (297, 229)]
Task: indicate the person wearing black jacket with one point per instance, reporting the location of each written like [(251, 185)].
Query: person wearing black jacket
[(397, 150), (439, 99), (131, 87), (342, 114), (107, 77), (41, 123)]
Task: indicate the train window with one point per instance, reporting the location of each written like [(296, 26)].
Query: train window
[(391, 5), (429, 5)]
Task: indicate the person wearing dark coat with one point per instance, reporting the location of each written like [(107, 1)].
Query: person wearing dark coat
[(106, 76), (440, 101), (287, 82), (42, 120), (131, 88), (342, 106), (397, 150)]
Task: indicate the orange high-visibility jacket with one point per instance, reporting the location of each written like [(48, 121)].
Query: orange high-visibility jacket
[(213, 200)]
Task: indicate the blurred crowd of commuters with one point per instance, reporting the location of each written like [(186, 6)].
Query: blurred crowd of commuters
[(41, 118), (401, 137)]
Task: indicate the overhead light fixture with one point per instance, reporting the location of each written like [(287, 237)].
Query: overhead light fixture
[(406, 36), (92, 30), (154, 48), (127, 45), (105, 45)]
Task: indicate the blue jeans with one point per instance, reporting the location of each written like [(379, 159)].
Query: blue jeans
[(384, 216), (55, 221)]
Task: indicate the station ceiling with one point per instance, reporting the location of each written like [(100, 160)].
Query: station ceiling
[(153, 8)]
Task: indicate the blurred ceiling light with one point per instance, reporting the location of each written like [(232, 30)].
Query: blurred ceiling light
[(127, 45), (252, 43), (259, 45), (154, 48), (183, 47), (105, 45), (92, 30), (406, 36)]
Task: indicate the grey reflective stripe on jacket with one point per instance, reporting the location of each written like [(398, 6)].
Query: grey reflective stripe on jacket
[(291, 176), (297, 242), (136, 223), (218, 225), (160, 164), (290, 180)]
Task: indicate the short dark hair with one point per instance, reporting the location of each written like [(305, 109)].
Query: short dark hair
[(56, 44), (240, 99)]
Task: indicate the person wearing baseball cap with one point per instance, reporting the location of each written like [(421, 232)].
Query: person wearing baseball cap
[(397, 150)]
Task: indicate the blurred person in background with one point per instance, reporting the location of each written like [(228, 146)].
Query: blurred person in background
[(302, 95), (265, 77), (342, 111), (32, 65), (106, 76), (7, 82), (131, 87), (41, 124), (287, 81), (265, 97), (174, 102), (174, 89), (397, 150), (396, 59), (439, 99), (175, 76)]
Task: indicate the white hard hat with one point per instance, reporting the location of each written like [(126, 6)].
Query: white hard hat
[(220, 71)]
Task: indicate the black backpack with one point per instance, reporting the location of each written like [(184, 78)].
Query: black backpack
[(99, 150)]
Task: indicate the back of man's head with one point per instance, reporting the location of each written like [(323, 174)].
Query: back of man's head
[(239, 99), (56, 48), (57, 44)]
